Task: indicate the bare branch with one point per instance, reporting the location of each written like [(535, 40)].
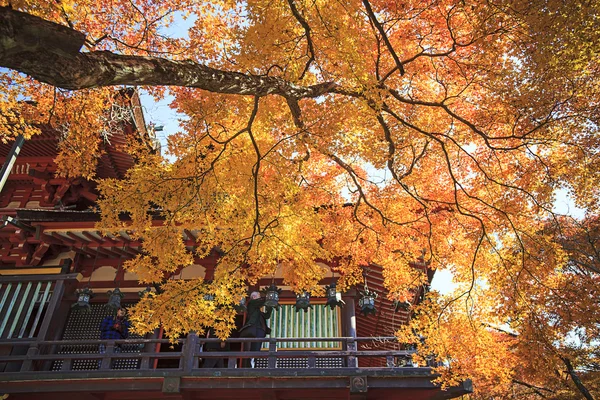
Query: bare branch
[(311, 49), (373, 18)]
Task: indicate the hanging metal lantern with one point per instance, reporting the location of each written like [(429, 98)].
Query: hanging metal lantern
[(334, 298), (241, 306), (145, 292), (83, 299), (272, 296), (367, 301), (303, 301), (114, 299), (401, 305)]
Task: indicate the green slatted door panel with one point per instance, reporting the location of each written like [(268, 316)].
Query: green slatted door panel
[(22, 306), (318, 322)]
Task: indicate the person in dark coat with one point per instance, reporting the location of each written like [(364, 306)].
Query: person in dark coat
[(256, 323), (214, 346), (114, 328)]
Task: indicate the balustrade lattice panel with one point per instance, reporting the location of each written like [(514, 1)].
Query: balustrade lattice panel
[(22, 307), (85, 325), (301, 362)]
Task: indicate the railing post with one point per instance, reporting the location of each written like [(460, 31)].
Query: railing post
[(109, 351), (232, 362), (351, 359), (66, 364), (272, 353), (312, 362), (390, 361), (350, 326), (32, 351), (189, 350)]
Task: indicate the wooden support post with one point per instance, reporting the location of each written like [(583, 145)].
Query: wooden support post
[(57, 295), (350, 325), (272, 353), (66, 365), (231, 362), (190, 350), (145, 363), (390, 361), (351, 360), (32, 351)]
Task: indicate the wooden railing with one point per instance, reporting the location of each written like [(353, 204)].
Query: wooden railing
[(141, 355)]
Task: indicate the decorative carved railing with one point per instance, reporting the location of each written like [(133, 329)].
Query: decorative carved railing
[(141, 355)]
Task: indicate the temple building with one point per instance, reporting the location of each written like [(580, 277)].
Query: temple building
[(52, 256)]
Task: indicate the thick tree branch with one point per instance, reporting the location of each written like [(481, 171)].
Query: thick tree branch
[(44, 56), (576, 380), (373, 18), (536, 389)]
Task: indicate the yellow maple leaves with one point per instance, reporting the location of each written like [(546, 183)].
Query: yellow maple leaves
[(454, 157)]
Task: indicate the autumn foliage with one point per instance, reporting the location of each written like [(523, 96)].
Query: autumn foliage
[(353, 132)]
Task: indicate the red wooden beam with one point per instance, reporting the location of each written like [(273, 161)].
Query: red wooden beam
[(36, 258), (91, 237)]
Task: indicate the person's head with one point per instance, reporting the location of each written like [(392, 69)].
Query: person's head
[(254, 295), (121, 312)]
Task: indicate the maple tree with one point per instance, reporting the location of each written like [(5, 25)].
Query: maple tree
[(350, 132)]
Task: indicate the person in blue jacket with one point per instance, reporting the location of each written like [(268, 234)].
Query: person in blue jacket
[(114, 328)]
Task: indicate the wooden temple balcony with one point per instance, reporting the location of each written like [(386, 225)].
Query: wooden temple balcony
[(138, 370), (49, 350)]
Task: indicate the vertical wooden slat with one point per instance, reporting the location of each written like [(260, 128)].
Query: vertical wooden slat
[(279, 329), (295, 327), (36, 293), (57, 294), (313, 330), (19, 310), (300, 317), (40, 309), (284, 317), (10, 308), (3, 301), (325, 325), (318, 326)]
